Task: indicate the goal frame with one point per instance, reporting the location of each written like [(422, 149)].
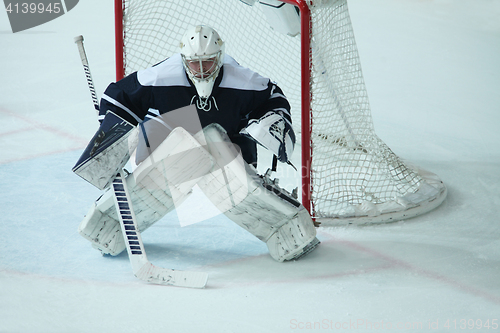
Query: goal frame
[(305, 66), (348, 174)]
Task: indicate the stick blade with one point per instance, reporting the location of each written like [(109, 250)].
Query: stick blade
[(164, 276)]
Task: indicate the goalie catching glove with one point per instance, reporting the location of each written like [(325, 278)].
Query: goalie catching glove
[(273, 132)]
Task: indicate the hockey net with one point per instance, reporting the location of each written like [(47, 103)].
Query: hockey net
[(349, 175)]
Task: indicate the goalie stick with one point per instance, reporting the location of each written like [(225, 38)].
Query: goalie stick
[(141, 267), (86, 68)]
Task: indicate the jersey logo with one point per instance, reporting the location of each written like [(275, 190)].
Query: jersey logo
[(204, 104)]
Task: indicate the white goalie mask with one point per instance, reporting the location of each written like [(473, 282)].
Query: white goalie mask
[(202, 52)]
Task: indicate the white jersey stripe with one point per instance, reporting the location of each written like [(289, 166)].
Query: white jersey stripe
[(121, 106), (277, 95), (159, 120), (285, 111)]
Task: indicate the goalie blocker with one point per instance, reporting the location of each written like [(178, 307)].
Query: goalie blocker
[(252, 201), (107, 152)]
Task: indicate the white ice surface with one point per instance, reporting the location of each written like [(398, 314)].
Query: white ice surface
[(432, 69)]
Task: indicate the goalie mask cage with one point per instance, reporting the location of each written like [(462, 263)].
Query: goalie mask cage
[(349, 175)]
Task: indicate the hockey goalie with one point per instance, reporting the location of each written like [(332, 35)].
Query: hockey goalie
[(195, 119)]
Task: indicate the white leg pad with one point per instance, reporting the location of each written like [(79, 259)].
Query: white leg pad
[(292, 239), (266, 211), (101, 227), (159, 183)]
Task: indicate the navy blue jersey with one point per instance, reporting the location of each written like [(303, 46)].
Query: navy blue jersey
[(239, 94)]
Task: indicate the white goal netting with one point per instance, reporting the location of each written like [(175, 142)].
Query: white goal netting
[(355, 177)]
